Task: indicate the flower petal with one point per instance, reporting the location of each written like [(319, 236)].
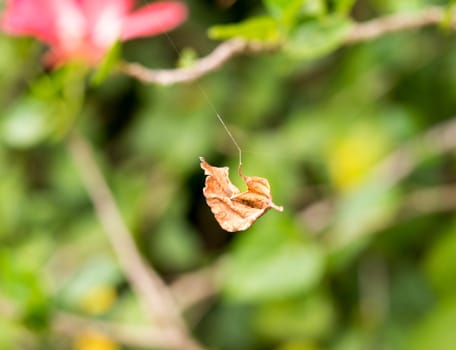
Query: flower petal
[(153, 19), (31, 17), (93, 9), (104, 20), (71, 24)]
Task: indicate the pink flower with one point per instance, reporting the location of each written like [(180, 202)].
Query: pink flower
[(84, 30)]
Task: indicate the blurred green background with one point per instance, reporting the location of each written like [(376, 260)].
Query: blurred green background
[(354, 261)]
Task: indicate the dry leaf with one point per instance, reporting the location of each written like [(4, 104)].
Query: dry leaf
[(235, 210)]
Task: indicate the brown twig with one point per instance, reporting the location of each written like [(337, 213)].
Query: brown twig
[(188, 290), (373, 29), (72, 325), (431, 200), (201, 67), (399, 164), (393, 169), (194, 287), (316, 215), (148, 285), (360, 32)]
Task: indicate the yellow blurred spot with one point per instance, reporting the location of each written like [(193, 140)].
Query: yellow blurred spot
[(297, 346), (98, 300), (94, 341), (351, 158)]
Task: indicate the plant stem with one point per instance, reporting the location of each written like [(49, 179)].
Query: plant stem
[(147, 284)]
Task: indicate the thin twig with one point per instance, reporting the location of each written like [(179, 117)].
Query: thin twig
[(144, 280), (399, 164), (201, 67), (188, 290), (431, 200), (72, 325), (394, 168), (316, 215), (194, 287), (373, 29), (361, 32)]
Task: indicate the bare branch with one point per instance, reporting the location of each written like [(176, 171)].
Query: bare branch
[(194, 287), (211, 62), (360, 32), (399, 164), (148, 285), (431, 200), (7, 309), (393, 169), (316, 216), (73, 325), (376, 28)]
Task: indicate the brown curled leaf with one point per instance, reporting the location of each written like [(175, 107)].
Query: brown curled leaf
[(235, 210)]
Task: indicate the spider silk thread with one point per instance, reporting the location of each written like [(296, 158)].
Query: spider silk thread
[(208, 99), (211, 104)]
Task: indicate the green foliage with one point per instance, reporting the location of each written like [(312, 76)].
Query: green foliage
[(272, 262), (440, 263), (303, 27), (262, 29), (108, 64), (436, 329), (286, 12), (355, 261), (344, 6), (21, 284), (316, 38), (26, 124), (303, 318)]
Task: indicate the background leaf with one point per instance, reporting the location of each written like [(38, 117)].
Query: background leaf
[(272, 262), (263, 29), (316, 38)]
